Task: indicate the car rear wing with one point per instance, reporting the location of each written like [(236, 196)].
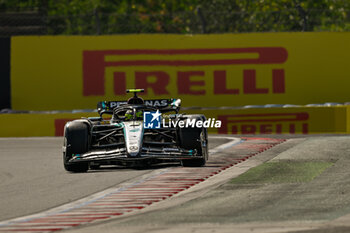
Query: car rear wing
[(164, 105)]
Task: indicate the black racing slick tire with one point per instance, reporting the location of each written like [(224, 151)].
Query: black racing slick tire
[(76, 140), (194, 138)]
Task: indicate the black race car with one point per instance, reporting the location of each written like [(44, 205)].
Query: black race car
[(135, 135)]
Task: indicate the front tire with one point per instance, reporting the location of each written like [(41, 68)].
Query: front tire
[(76, 139), (194, 138)]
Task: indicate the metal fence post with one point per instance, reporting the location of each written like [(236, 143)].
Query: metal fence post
[(97, 22), (202, 19), (302, 13)]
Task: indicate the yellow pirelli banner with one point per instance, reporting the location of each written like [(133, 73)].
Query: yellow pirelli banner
[(304, 120), (75, 72), (37, 125)]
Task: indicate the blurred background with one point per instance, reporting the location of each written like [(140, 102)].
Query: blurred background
[(104, 17), (305, 91)]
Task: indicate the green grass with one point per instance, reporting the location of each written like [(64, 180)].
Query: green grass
[(282, 172)]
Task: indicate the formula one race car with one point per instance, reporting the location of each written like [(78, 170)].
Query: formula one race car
[(135, 135)]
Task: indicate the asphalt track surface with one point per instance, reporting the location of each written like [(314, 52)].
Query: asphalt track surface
[(32, 177), (32, 180)]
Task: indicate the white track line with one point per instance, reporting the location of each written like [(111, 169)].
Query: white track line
[(84, 201), (225, 146)]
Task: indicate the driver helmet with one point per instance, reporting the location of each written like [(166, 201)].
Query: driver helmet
[(129, 115), (139, 115)]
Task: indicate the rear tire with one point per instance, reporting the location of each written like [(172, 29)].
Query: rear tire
[(194, 138), (76, 139)]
